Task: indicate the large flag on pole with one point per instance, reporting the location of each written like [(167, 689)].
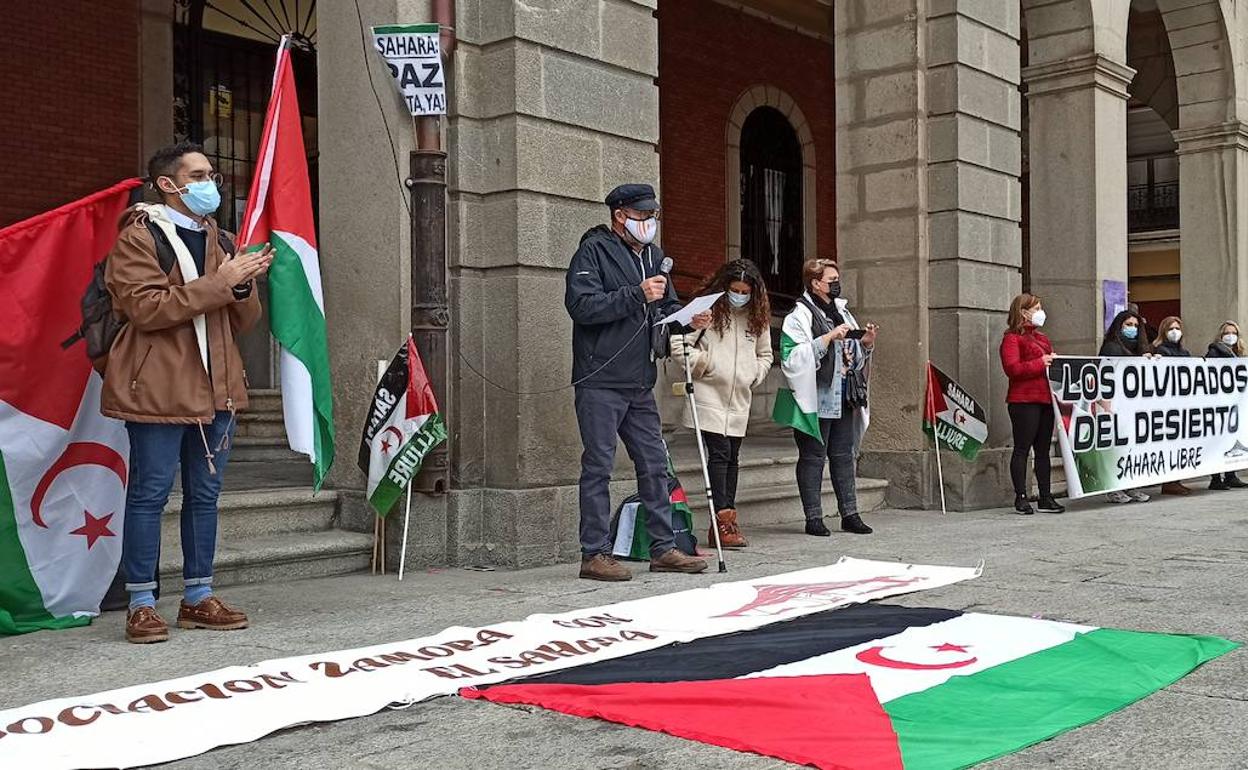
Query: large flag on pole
[(63, 466), (403, 426), (952, 416), (279, 211)]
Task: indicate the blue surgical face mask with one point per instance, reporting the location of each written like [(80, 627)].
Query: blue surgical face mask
[(1130, 332), (738, 300), (202, 198)]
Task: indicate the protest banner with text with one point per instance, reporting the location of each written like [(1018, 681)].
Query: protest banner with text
[(1134, 422)]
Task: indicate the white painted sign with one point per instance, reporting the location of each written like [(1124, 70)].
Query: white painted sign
[(159, 722), (414, 56)]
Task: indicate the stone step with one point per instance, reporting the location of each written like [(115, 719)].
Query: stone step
[(263, 449), (260, 425), (264, 400), (780, 503), (243, 515), (277, 557)]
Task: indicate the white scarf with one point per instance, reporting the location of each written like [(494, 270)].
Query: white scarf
[(157, 213)]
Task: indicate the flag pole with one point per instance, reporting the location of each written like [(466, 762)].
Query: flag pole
[(407, 516), (931, 401)]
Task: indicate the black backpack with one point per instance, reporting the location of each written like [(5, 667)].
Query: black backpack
[(100, 326)]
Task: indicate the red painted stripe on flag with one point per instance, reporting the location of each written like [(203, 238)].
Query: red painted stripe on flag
[(832, 721)]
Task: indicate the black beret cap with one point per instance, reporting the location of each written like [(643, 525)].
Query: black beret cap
[(633, 196)]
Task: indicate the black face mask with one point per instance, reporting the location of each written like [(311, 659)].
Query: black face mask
[(834, 289)]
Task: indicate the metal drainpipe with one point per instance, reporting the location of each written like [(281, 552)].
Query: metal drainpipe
[(430, 310)]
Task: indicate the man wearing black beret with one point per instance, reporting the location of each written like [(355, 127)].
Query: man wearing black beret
[(615, 293)]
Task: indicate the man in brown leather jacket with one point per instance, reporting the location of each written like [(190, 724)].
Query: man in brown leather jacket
[(175, 375)]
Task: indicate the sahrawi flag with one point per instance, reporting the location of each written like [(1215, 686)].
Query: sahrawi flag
[(402, 427), (952, 416), (279, 211), (63, 466), (875, 685)]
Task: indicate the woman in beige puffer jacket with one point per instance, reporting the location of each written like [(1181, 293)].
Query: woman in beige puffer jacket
[(727, 362)]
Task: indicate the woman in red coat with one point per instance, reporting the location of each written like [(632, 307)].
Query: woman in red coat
[(1025, 357)]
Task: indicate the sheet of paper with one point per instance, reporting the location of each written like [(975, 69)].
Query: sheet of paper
[(686, 313)]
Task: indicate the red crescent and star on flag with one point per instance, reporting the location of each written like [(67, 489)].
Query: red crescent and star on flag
[(385, 442), (78, 454), (874, 656)]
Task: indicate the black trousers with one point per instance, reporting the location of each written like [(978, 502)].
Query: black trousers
[(836, 451), (721, 462), (1033, 432)]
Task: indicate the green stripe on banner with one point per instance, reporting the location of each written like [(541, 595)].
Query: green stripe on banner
[(405, 29), (21, 604), (297, 323), (788, 412), (413, 453), (1008, 707)]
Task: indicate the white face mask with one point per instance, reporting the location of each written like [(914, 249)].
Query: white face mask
[(737, 299), (1038, 318), (1174, 335), (1230, 339), (643, 230)]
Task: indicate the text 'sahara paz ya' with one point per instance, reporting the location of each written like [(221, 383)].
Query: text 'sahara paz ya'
[(1170, 412)]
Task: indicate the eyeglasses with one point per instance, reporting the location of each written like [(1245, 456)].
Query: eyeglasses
[(647, 215), (214, 177)]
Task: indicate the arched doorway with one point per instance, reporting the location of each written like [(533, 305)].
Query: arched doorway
[(223, 57), (771, 199)]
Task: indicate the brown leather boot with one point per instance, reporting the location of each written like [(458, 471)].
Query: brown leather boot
[(1175, 488), (729, 533), (604, 566), (211, 613), (675, 561), (144, 626)]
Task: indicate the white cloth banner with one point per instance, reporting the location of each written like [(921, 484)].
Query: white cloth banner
[(1124, 423), (163, 721)]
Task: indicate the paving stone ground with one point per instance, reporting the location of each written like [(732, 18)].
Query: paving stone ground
[(1174, 565)]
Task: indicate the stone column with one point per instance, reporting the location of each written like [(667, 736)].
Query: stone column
[(364, 246), (555, 104), (1213, 187), (928, 208), (1078, 113), (974, 205)]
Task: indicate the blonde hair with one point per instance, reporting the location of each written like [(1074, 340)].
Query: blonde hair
[(812, 270), (1164, 327), (1238, 347)]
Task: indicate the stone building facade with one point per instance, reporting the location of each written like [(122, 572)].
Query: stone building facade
[(948, 153)]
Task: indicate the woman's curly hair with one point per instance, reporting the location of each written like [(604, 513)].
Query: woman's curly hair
[(759, 308)]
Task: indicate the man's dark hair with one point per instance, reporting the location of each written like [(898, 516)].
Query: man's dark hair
[(167, 159)]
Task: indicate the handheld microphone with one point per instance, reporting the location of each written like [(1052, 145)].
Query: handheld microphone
[(665, 267)]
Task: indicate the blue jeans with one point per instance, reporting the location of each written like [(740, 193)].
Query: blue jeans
[(631, 414), (156, 450)]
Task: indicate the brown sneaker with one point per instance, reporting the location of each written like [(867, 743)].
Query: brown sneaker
[(729, 533), (211, 613), (604, 566), (675, 561), (144, 626)]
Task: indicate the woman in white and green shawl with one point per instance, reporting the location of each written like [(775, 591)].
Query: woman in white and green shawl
[(825, 357)]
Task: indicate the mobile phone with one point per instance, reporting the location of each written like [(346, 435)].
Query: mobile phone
[(855, 334)]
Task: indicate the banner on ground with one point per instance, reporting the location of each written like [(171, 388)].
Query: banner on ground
[(889, 686), (1134, 422), (63, 466), (163, 721), (413, 55), (403, 426), (952, 416)]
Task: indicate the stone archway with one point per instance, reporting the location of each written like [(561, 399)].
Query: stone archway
[(1076, 83), (747, 102), (1213, 161)]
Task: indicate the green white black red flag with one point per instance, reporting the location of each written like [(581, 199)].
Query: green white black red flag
[(403, 426), (952, 416)]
